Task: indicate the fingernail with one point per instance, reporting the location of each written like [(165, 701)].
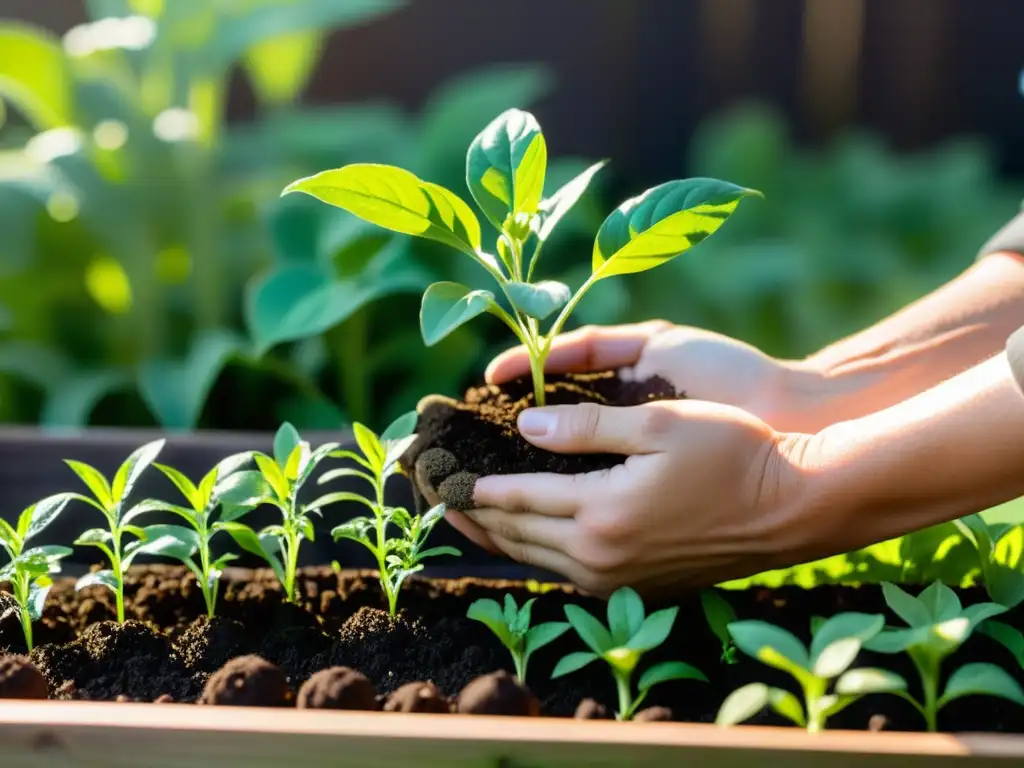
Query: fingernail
[(537, 422)]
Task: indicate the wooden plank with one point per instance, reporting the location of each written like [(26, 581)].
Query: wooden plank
[(56, 734)]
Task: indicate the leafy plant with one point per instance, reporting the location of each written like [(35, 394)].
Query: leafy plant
[(622, 644), (1000, 569), (185, 544), (720, 615), (29, 570), (512, 627), (937, 626), (834, 647), (398, 557), (505, 170), (277, 482), (110, 499)]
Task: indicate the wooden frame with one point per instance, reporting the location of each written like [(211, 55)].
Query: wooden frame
[(48, 734)]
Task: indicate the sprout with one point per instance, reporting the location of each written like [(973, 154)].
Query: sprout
[(512, 627)]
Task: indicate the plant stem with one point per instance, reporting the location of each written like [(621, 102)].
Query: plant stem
[(537, 371), (625, 696), (517, 659), (929, 683), (26, 625), (119, 576), (291, 566), (378, 551), (21, 590)]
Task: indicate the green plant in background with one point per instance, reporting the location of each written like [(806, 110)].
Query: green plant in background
[(834, 647), (1011, 638), (30, 571), (511, 626), (277, 482), (999, 547), (110, 498), (937, 626), (505, 169), (398, 557), (622, 644), (719, 615), (185, 544)]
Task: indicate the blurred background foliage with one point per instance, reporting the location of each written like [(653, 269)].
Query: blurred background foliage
[(151, 276)]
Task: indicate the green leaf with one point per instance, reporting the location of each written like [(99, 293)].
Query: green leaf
[(396, 199), (858, 682), (860, 626), (400, 428), (279, 67), (274, 476), (94, 537), (786, 704), (183, 484), (247, 539), (544, 634), (271, 297), (334, 498), (94, 481), (538, 300), (977, 614), (34, 75), (297, 462), (336, 474), (99, 579), (984, 679), (131, 470), (37, 593), (510, 612), (908, 608), (553, 209), (285, 441), (742, 704), (170, 541), (369, 444), (37, 517), (355, 529), (940, 601), (590, 630), (8, 536), (663, 222), (654, 630), (669, 670), (506, 165), (836, 657), (240, 492), (719, 615), (625, 615), (572, 663), (489, 613), (438, 552), (898, 640), (752, 636), (1009, 637), (448, 305)]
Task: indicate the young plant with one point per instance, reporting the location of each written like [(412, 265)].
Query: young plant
[(833, 649), (1004, 581), (29, 570), (110, 498), (191, 545), (397, 557), (277, 482), (512, 627), (938, 626), (622, 644), (505, 170), (719, 615)]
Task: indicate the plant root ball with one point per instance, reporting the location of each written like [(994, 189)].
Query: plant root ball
[(457, 491), (338, 688), (19, 679), (417, 697), (589, 709), (654, 715), (498, 693), (435, 465), (247, 681)]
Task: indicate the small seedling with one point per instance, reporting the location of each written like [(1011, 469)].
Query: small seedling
[(622, 644), (109, 498), (397, 557), (185, 544), (505, 170), (720, 615), (276, 482), (512, 626), (1004, 581), (833, 649), (938, 626), (30, 570)]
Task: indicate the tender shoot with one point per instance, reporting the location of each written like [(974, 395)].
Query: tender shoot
[(999, 554), (720, 615), (512, 627)]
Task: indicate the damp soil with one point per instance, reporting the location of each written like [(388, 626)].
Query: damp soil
[(461, 440), (263, 651)]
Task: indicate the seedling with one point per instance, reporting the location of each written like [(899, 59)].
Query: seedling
[(185, 544), (276, 482), (1004, 581), (720, 615), (622, 644), (110, 498), (400, 556), (29, 570), (512, 626), (938, 626), (833, 649), (505, 170)]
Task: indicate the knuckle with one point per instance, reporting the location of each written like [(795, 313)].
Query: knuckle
[(507, 531), (584, 420), (656, 421), (613, 527)]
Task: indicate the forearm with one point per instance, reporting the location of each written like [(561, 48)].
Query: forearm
[(953, 450)]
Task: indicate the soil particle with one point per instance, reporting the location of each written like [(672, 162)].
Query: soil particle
[(417, 697), (247, 681), (19, 679), (498, 693), (337, 688), (654, 715), (589, 709), (208, 644)]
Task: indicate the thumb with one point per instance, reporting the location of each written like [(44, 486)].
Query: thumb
[(592, 428)]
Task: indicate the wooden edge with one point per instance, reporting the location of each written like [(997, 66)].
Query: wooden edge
[(21, 716)]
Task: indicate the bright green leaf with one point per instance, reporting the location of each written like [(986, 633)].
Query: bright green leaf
[(752, 636), (786, 704), (131, 470), (858, 682), (37, 517), (742, 704), (447, 305), (369, 444), (94, 481), (183, 484), (285, 441), (274, 476), (489, 613), (34, 75)]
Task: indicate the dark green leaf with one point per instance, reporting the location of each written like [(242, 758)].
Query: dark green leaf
[(544, 634), (654, 630), (438, 551), (447, 305), (860, 626), (488, 612), (719, 615), (908, 608), (977, 614), (625, 615), (898, 640), (669, 670), (590, 630), (37, 593), (285, 441), (400, 428), (751, 636), (572, 663), (984, 679), (1009, 637), (940, 601), (538, 300)]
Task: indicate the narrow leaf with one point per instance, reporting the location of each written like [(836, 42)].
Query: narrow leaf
[(98, 579), (858, 682), (183, 484), (131, 470), (94, 481), (742, 704), (1009, 637), (572, 663), (38, 517), (590, 630), (669, 670), (544, 634)]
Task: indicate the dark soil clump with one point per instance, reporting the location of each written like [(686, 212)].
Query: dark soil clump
[(498, 694), (417, 697), (209, 644), (19, 679), (592, 710), (654, 715), (337, 688), (247, 681)]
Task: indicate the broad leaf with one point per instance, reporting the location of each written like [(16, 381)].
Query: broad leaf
[(752, 636), (34, 75), (260, 546), (241, 492), (447, 305), (860, 626), (94, 481), (285, 441), (940, 601), (396, 199), (183, 484), (836, 658), (572, 663), (37, 517), (590, 630), (553, 209), (355, 529), (654, 630), (170, 541), (977, 614), (400, 428), (543, 634), (99, 579), (625, 615), (986, 679), (1009, 637), (742, 704), (663, 222), (858, 682), (538, 300), (131, 470), (908, 608), (297, 462), (719, 615), (488, 612), (898, 640), (669, 670), (506, 165)]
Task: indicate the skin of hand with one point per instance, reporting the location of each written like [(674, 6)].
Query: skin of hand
[(709, 492)]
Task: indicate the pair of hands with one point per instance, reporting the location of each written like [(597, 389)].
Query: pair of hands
[(706, 491)]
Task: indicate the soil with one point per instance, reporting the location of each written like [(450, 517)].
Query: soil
[(167, 651), (461, 440)]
